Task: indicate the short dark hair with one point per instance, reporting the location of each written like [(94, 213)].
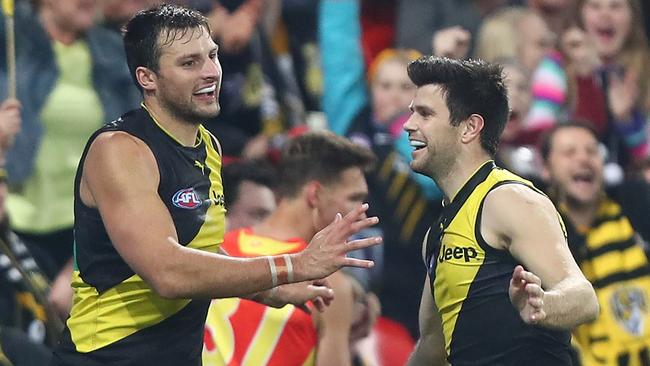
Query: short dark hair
[(143, 34), (320, 156), (469, 87), (258, 171), (547, 138)]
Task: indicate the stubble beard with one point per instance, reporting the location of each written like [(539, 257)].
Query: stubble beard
[(187, 112)]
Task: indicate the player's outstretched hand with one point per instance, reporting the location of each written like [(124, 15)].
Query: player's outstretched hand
[(328, 249)]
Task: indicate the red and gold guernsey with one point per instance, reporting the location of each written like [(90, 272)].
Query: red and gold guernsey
[(469, 282), (244, 332)]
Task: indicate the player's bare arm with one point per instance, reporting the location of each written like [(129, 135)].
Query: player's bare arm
[(120, 178), (430, 348), (549, 290)]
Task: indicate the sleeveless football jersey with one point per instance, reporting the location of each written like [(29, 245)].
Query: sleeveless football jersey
[(470, 282), (116, 317)]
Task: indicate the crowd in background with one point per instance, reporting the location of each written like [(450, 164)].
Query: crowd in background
[(578, 77)]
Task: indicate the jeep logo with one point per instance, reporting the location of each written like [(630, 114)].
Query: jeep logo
[(447, 253)]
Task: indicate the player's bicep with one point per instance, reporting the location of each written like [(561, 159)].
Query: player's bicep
[(121, 175), (533, 232), (431, 346)]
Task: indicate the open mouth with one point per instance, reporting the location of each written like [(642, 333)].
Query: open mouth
[(583, 178), (606, 34), (208, 91), (417, 145)]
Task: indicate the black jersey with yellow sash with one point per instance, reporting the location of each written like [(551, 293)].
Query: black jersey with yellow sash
[(117, 318), (611, 255), (470, 280)]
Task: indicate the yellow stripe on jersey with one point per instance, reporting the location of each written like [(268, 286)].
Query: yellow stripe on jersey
[(218, 320), (267, 335), (210, 236), (97, 320)]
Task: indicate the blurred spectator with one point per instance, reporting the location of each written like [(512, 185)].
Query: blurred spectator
[(300, 21), (607, 234), (9, 125), (248, 190), (117, 12), (71, 78), (378, 23), (27, 324), (581, 59), (557, 14), (519, 98), (621, 86), (452, 42), (514, 32), (521, 34), (419, 20), (515, 153), (549, 80)]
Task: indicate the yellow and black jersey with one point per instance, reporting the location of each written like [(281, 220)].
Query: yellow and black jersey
[(117, 318), (469, 282), (612, 257)]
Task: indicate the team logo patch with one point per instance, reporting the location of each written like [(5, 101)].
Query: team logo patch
[(630, 308), (186, 198)]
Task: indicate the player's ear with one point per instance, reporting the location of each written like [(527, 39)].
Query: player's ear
[(472, 127), (311, 192), (146, 78)]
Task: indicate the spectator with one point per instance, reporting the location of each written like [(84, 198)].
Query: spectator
[(606, 234), (419, 20), (28, 326), (623, 81), (71, 78), (117, 12)]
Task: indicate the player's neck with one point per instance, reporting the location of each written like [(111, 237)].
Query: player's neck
[(184, 132), (451, 180), (288, 221)]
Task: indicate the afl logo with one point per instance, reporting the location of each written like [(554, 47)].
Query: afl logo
[(186, 198)]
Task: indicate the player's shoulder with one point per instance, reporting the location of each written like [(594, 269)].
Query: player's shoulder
[(516, 201), (118, 151), (516, 194)]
